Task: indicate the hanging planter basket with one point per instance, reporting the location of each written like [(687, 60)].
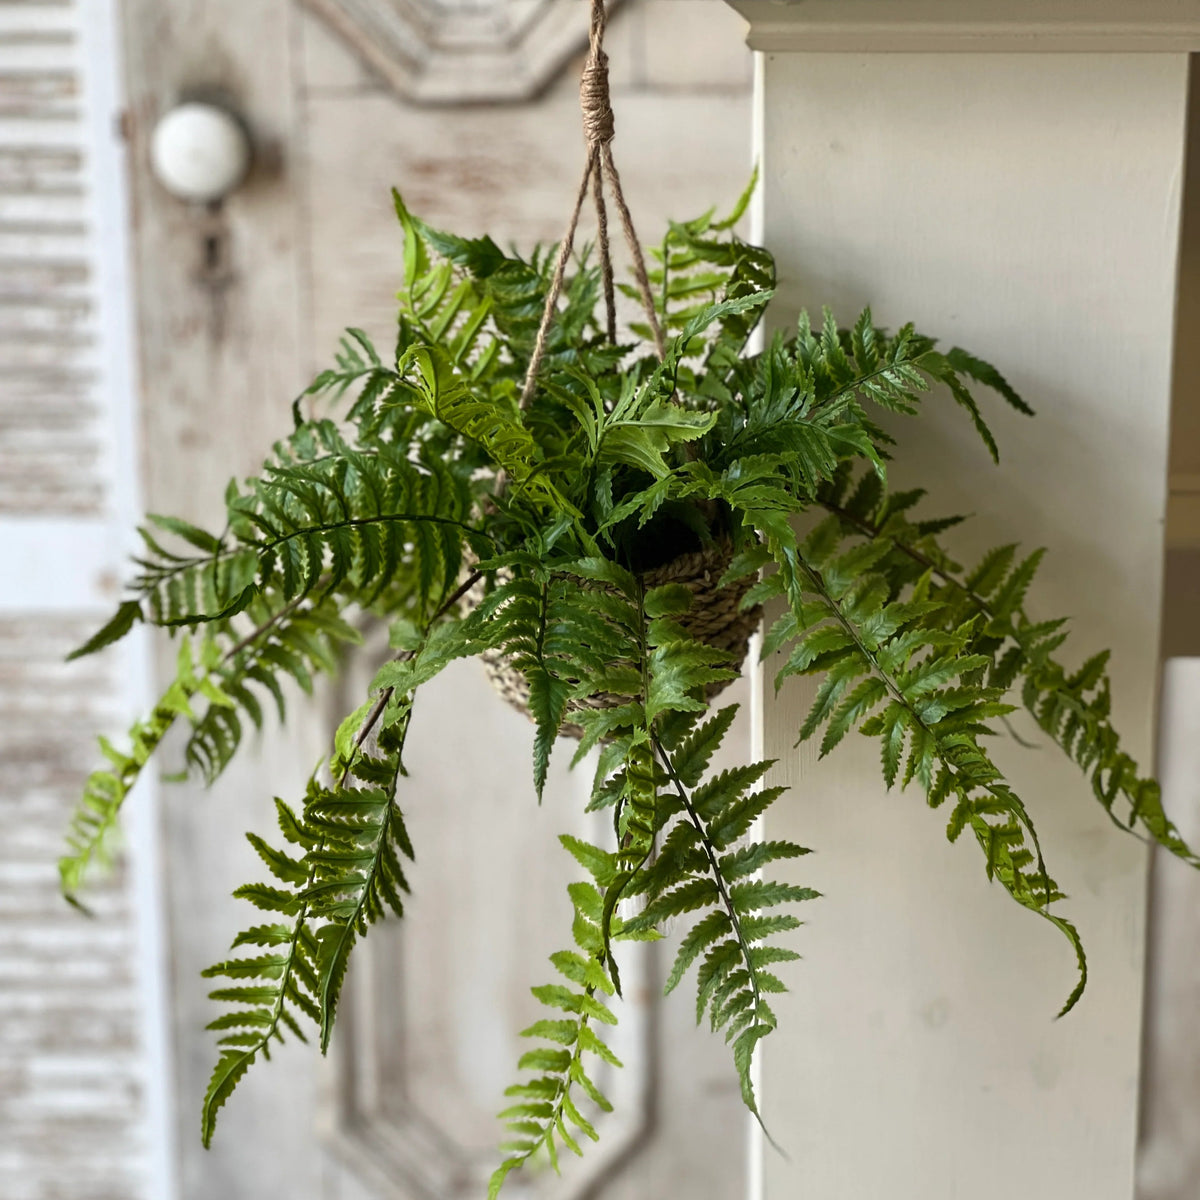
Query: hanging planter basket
[(715, 617)]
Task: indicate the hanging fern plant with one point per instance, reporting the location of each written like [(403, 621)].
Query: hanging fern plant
[(601, 521)]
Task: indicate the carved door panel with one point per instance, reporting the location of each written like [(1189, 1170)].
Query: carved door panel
[(238, 306)]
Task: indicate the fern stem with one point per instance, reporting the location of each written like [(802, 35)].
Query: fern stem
[(557, 1114), (867, 529), (357, 522), (856, 384), (213, 1098), (162, 574), (96, 815), (632, 862), (370, 720), (381, 702), (714, 867), (350, 926), (249, 1053), (265, 627)]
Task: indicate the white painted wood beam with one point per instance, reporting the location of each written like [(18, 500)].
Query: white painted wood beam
[(1026, 206), (966, 26)]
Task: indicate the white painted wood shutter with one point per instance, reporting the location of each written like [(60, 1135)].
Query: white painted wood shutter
[(82, 1072)]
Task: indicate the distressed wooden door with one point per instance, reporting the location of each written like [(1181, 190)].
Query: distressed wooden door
[(238, 305)]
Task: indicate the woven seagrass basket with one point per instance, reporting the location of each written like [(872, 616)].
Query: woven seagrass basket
[(714, 618)]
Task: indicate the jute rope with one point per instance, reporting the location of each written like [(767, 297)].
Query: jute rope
[(598, 131), (715, 615)]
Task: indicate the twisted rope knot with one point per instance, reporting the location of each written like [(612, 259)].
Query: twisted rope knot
[(598, 126), (598, 123)]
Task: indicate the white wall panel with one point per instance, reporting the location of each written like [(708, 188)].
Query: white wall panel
[(1027, 207)]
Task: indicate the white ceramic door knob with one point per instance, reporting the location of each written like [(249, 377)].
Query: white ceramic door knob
[(199, 152)]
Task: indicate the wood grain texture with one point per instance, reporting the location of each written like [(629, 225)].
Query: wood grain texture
[(461, 51), (71, 1083), (51, 462), (218, 291), (1026, 207), (500, 170), (73, 1066), (313, 248), (219, 302)]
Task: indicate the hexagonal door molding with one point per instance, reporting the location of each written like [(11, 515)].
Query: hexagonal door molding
[(461, 51), (427, 1035)]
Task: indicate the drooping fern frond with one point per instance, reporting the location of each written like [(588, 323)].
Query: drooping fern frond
[(916, 688), (322, 516), (351, 839), (93, 823), (679, 848), (549, 1107), (297, 640), (1072, 707), (350, 836), (706, 866), (269, 989)]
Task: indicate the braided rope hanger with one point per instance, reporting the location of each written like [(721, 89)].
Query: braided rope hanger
[(598, 130)]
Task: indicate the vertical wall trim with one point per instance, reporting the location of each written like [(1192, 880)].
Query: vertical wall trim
[(110, 216), (755, 1142)]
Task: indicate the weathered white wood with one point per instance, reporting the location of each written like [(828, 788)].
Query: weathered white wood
[(973, 26), (1026, 207), (82, 1088), (217, 291), (219, 301), (309, 247), (464, 50), (502, 170)]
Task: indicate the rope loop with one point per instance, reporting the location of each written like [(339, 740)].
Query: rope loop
[(598, 128)]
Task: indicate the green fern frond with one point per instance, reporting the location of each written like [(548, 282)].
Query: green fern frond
[(676, 848), (1073, 708), (732, 982), (273, 987), (888, 673), (298, 640), (549, 1108), (93, 823), (348, 871)]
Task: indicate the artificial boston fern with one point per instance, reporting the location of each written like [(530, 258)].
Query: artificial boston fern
[(539, 526)]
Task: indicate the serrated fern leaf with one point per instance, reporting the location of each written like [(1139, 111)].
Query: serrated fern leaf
[(921, 673), (351, 838), (732, 981), (550, 1108), (281, 981), (93, 823), (1020, 654)]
